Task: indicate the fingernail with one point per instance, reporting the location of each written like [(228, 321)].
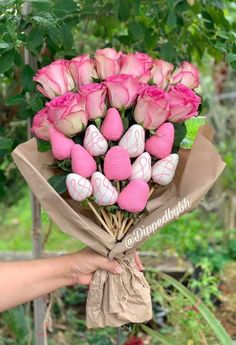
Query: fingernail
[(118, 269)]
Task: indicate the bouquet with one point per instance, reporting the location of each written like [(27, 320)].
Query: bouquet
[(112, 128)]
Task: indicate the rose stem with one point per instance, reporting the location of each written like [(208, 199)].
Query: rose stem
[(100, 218), (100, 167)]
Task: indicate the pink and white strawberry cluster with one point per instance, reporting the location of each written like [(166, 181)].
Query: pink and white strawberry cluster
[(86, 89)]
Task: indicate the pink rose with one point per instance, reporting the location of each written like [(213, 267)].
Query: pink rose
[(152, 108), (187, 74), (122, 90), (82, 69), (138, 65), (107, 62), (55, 79), (41, 125), (183, 103), (67, 113), (95, 99), (161, 73)]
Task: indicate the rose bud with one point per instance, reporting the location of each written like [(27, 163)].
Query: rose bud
[(41, 125), (187, 74), (183, 103), (67, 113), (95, 99), (122, 90), (54, 79), (82, 69), (152, 108), (138, 65), (161, 73), (107, 62)]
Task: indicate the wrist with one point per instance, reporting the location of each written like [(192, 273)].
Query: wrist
[(63, 268), (71, 273)]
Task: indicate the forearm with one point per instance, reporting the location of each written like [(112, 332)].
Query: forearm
[(27, 280)]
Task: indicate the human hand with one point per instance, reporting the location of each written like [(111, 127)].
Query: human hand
[(85, 262)]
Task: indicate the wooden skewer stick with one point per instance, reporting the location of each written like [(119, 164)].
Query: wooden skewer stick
[(100, 167), (151, 191), (120, 232), (107, 219), (115, 220), (100, 218), (128, 226), (118, 186), (120, 217)]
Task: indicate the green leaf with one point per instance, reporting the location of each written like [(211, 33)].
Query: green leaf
[(13, 100), (42, 145), (221, 47), (67, 37), (46, 19), (58, 182), (6, 45), (124, 9), (135, 29), (36, 103), (18, 59), (172, 20), (230, 57), (192, 127), (27, 78), (65, 165), (167, 51), (55, 35), (6, 61), (170, 3), (124, 39), (35, 38), (66, 5), (136, 6), (180, 132), (156, 335), (5, 144), (40, 6), (214, 324)]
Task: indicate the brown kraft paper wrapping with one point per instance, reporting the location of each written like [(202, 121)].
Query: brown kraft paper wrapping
[(114, 300)]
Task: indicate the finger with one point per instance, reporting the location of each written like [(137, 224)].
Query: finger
[(138, 262), (110, 266)]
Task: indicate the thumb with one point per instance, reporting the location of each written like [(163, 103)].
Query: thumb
[(111, 266)]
